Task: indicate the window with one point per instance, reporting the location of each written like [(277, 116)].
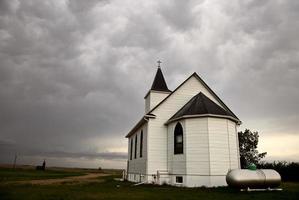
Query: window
[(135, 153), (141, 143), (179, 179), (178, 139), (131, 148)]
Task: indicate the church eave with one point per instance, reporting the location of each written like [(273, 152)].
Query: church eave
[(141, 122), (202, 116)]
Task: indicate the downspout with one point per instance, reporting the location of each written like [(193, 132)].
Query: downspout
[(146, 160)]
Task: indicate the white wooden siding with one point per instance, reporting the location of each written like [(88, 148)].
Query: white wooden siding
[(138, 165), (176, 162), (197, 146), (210, 144), (181, 96), (169, 147), (157, 131), (210, 150), (157, 147), (223, 146), (234, 146), (218, 146), (153, 98)]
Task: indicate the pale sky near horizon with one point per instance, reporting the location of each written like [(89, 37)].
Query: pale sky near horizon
[(73, 73)]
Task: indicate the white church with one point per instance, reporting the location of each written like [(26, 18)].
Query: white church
[(187, 137)]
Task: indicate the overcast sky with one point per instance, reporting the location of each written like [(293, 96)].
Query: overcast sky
[(73, 73)]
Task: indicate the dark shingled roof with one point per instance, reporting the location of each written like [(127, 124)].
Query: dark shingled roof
[(200, 104), (159, 83)]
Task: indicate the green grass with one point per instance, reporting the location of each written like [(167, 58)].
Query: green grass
[(111, 189), (9, 174)]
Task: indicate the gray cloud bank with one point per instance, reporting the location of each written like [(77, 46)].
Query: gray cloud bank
[(7, 148), (73, 73)]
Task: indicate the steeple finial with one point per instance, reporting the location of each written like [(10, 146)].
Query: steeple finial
[(159, 63), (159, 83)]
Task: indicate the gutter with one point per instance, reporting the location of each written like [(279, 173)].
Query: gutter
[(204, 115)]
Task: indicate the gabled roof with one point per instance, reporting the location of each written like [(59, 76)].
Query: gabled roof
[(159, 83), (205, 85), (147, 116), (200, 105)]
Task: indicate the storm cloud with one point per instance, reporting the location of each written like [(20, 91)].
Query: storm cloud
[(73, 73)]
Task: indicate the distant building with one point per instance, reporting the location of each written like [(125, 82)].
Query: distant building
[(187, 137)]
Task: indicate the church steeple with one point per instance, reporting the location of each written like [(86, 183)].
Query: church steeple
[(159, 83), (158, 91)]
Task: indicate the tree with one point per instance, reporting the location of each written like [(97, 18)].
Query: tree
[(248, 142)]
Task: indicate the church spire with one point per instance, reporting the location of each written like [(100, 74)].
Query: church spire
[(159, 83)]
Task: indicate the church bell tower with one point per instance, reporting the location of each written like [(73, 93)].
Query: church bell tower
[(158, 91)]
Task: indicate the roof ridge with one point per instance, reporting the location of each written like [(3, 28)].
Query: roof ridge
[(192, 101), (201, 95), (200, 104), (214, 94), (171, 93)]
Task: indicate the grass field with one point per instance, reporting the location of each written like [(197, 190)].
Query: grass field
[(9, 174), (108, 188)]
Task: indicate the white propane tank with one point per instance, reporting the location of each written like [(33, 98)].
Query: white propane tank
[(260, 178)]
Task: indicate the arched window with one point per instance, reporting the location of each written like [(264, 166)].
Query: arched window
[(131, 148), (141, 144), (135, 153), (178, 139)]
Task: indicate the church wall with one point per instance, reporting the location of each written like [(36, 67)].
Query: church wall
[(157, 135), (176, 162), (153, 98), (210, 150), (198, 155), (197, 146), (157, 147), (137, 167), (180, 97), (218, 146), (234, 145), (210, 144)]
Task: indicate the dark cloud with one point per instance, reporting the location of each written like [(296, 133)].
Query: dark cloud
[(73, 73)]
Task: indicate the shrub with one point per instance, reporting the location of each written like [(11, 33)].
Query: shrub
[(289, 171)]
